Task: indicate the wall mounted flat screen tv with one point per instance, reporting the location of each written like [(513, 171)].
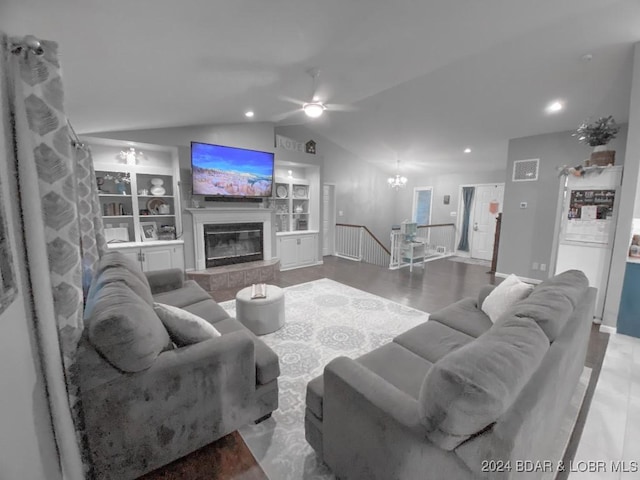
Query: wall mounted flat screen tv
[(230, 172)]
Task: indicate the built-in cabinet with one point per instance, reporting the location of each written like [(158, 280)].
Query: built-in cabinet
[(139, 197), (296, 207), (291, 203), (156, 257), (297, 250)]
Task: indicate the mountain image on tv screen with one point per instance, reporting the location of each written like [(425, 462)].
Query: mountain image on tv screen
[(228, 171)]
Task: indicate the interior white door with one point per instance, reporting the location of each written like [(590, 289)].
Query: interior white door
[(483, 219), (328, 220)]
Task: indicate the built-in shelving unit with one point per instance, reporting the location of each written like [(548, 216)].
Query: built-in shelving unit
[(135, 219)]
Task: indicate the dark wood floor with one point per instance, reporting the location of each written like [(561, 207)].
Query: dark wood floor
[(440, 283)]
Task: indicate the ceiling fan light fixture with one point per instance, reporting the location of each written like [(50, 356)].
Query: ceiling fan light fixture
[(313, 109)]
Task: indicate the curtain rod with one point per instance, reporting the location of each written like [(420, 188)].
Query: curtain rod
[(29, 42), (73, 136)]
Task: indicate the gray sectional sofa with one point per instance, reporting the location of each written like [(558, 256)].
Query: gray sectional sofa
[(146, 401), (449, 397)]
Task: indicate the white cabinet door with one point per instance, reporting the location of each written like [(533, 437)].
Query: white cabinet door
[(132, 253), (307, 250), (162, 257), (288, 252)]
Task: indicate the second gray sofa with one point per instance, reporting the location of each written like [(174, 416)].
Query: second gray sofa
[(457, 397)]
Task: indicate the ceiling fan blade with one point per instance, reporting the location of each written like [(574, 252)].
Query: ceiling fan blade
[(337, 107), (295, 101), (283, 116)]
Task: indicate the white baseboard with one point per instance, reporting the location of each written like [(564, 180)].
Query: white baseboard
[(535, 281), (608, 329)]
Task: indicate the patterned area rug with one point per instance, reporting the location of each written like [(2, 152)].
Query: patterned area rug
[(470, 261), (324, 319)]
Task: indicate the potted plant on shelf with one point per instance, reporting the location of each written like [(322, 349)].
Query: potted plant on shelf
[(598, 134)]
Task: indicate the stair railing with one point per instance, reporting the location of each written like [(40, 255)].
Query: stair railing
[(358, 243)]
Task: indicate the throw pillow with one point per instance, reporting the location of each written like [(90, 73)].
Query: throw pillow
[(504, 296), (184, 327)]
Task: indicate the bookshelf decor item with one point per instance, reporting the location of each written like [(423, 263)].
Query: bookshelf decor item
[(149, 231)]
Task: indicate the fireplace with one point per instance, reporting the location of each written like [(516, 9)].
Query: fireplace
[(231, 243), (226, 216)]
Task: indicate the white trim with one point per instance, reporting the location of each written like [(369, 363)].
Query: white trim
[(414, 202), (535, 281), (608, 329), (460, 211)]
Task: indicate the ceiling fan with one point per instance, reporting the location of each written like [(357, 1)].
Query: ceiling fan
[(315, 106)]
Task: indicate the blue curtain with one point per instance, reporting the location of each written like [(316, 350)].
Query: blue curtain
[(467, 197)]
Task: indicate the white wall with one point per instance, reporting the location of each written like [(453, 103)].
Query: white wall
[(628, 199), (362, 194), (27, 447), (443, 185)]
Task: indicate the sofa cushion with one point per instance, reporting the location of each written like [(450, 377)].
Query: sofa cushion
[(504, 296), (403, 369), (189, 294), (184, 327), (114, 258), (552, 302), (464, 316), (469, 389), (125, 329), (120, 274), (315, 394), (432, 340), (267, 366), (207, 309)]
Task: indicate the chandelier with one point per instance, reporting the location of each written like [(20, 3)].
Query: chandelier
[(398, 181)]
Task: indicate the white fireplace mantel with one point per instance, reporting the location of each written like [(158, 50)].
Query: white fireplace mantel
[(208, 216)]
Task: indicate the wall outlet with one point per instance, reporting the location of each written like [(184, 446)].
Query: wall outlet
[(523, 204), (543, 267), (340, 213), (534, 266)]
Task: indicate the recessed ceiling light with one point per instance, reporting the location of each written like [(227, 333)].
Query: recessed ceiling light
[(467, 150), (554, 107), (248, 114)]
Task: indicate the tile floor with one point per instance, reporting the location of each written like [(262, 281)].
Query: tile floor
[(611, 435)]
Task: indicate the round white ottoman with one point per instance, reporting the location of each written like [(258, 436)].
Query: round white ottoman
[(261, 315)]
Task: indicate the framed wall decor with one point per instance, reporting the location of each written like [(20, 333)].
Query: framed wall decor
[(149, 231)]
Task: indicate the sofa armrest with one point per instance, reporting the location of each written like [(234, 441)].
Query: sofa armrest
[(188, 398), (193, 374), (165, 280), (484, 293), (364, 390)]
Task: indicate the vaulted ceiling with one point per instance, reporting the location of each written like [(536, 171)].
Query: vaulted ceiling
[(424, 80)]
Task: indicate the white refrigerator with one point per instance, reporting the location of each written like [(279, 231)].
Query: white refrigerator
[(588, 226)]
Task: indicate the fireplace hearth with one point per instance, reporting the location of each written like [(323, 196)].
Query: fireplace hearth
[(232, 243)]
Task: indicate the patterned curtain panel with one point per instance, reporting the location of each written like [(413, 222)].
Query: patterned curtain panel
[(52, 223), (467, 198), (92, 241)]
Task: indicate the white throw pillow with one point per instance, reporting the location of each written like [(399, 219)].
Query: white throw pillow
[(510, 291), (184, 327)]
